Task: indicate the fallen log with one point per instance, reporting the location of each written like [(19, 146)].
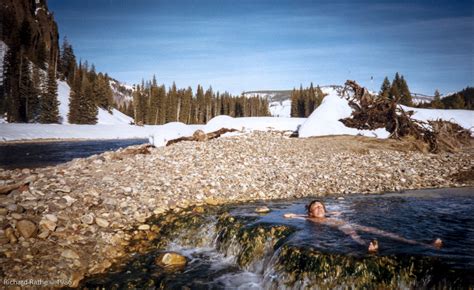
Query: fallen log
[(200, 136), (6, 189)]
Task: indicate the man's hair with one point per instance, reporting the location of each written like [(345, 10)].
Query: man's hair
[(308, 207)]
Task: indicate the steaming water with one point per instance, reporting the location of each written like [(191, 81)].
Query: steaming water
[(417, 215)]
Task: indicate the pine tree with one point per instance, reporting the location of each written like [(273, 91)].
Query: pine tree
[(67, 61), (437, 104), (405, 95), (49, 100), (385, 89), (294, 103), (395, 89), (88, 104), (458, 102), (74, 115)]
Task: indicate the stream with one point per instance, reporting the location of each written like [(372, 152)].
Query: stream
[(41, 154), (233, 247)]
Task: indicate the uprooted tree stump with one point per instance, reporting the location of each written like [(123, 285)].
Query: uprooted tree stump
[(372, 112), (200, 136)]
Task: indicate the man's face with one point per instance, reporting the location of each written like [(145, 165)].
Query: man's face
[(317, 210)]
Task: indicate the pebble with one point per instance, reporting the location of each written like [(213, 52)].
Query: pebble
[(102, 222), (26, 228), (87, 219), (69, 254), (144, 227)]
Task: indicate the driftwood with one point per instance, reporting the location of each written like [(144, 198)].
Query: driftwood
[(6, 189), (372, 112), (200, 136)]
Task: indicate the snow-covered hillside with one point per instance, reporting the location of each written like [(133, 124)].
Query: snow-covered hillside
[(103, 117)]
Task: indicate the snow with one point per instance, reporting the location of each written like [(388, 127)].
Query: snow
[(21, 131), (465, 118), (325, 119), (162, 134), (253, 123), (280, 109), (115, 117)]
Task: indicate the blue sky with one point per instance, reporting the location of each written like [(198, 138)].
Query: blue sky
[(247, 45)]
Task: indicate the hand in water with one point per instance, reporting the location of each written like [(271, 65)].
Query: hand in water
[(373, 246), (289, 215), (438, 243)]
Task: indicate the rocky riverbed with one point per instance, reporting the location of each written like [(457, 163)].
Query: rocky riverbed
[(77, 219)]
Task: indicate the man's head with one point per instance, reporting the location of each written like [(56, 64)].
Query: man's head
[(316, 209)]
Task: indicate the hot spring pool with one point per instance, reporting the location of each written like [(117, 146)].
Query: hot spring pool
[(233, 247)]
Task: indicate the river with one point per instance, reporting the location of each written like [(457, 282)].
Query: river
[(41, 154)]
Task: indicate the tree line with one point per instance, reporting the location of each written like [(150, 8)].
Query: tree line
[(153, 104), (463, 99), (305, 100)]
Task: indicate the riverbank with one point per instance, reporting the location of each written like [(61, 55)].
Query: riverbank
[(78, 217)]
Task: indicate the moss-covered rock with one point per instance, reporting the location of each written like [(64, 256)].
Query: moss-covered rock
[(296, 264)]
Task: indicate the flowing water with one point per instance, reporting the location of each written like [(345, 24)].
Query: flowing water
[(232, 247), (40, 154)]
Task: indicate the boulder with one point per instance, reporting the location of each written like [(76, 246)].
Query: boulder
[(199, 136), (171, 259), (262, 209)]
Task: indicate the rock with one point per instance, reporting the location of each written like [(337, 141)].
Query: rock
[(87, 219), (26, 228), (3, 211), (103, 223), (262, 209), (65, 189), (144, 227), (69, 254), (199, 135), (10, 235), (48, 224), (44, 234), (17, 216), (211, 201), (51, 217), (171, 259), (159, 210)]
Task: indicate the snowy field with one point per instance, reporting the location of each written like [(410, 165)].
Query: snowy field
[(323, 121)]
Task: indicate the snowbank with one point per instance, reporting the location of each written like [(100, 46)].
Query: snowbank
[(253, 123), (280, 109), (325, 119), (17, 131), (160, 135), (465, 118)]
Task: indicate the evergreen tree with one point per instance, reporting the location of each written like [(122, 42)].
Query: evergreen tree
[(458, 102), (437, 104), (395, 89), (49, 100), (74, 115), (27, 91), (67, 61), (294, 104), (385, 89), (405, 95)]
